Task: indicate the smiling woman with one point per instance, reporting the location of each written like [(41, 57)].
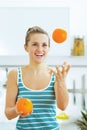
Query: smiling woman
[(37, 43), (39, 83)]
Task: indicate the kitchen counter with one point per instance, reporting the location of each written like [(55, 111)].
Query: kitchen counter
[(68, 124)]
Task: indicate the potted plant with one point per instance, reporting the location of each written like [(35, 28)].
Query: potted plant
[(82, 123)]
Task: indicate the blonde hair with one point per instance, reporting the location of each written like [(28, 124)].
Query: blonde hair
[(33, 30)]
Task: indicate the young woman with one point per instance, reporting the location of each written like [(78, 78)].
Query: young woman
[(38, 82)]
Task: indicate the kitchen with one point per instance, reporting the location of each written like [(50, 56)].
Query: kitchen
[(77, 26)]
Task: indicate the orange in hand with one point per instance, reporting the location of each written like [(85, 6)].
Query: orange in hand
[(59, 35), (24, 105)]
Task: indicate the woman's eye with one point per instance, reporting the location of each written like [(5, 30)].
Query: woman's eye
[(44, 44), (34, 44)]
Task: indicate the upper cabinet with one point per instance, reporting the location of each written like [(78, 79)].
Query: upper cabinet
[(14, 22)]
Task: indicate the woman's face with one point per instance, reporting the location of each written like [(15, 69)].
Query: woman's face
[(38, 47)]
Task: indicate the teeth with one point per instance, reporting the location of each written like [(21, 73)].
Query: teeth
[(39, 54)]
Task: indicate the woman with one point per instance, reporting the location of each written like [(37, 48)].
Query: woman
[(39, 83)]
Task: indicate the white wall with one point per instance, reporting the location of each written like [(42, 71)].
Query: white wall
[(78, 9), (78, 17)]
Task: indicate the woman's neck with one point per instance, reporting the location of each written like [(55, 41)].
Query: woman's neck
[(37, 68)]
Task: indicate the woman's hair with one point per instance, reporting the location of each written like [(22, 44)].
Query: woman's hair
[(33, 30)]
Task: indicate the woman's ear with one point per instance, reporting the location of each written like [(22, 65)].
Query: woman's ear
[(25, 47)]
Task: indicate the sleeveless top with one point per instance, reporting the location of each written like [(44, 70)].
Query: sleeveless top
[(44, 107)]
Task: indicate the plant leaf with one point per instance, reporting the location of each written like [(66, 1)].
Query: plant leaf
[(84, 115)]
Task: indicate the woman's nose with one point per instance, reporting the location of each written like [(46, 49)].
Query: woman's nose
[(40, 47)]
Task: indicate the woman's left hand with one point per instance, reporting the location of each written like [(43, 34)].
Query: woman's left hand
[(61, 74)]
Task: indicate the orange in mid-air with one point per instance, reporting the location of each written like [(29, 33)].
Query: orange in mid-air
[(24, 105), (59, 35)]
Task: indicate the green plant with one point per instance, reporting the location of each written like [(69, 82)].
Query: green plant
[(82, 124)]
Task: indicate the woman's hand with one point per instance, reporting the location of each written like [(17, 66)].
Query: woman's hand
[(21, 112), (61, 92), (61, 74)]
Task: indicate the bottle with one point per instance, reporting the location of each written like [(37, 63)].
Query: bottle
[(78, 47)]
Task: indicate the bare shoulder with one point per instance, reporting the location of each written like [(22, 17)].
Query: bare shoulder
[(12, 73), (12, 76)]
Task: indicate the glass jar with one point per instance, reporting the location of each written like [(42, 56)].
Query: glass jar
[(78, 46)]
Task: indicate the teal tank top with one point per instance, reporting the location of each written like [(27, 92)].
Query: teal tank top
[(44, 107)]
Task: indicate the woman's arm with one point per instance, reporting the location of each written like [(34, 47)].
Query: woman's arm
[(11, 95), (61, 92)]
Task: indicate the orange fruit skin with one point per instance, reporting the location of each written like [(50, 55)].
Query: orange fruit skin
[(59, 35), (24, 105)]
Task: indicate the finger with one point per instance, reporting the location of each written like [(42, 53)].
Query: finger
[(57, 69), (64, 68), (21, 112), (27, 114), (65, 63), (59, 73), (53, 71), (64, 71), (56, 74), (68, 68)]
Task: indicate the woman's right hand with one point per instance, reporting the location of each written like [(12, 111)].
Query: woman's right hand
[(21, 113)]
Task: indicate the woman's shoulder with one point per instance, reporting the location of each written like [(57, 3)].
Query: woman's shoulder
[(12, 73)]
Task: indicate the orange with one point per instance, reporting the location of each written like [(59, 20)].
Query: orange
[(24, 105), (59, 35)]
